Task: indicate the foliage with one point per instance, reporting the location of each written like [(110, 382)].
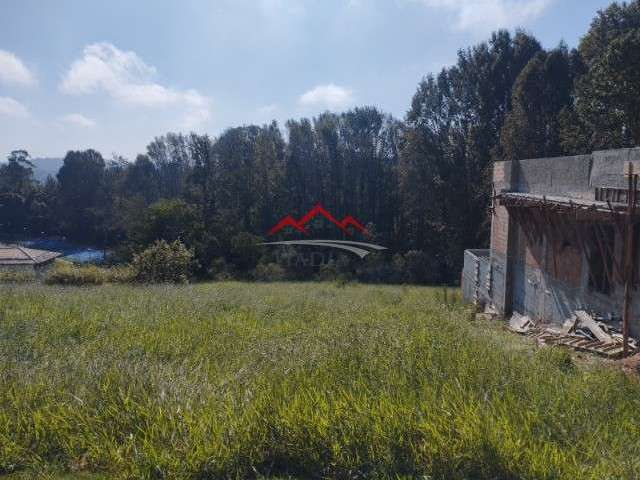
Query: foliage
[(163, 263), (221, 270), (245, 250), (67, 273), (16, 276), (422, 184), (17, 192), (166, 219), (451, 132), (230, 380), (81, 193), (541, 93), (17, 173), (607, 101), (269, 272), (416, 266)]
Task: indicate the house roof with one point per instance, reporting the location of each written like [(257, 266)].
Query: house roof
[(17, 255)]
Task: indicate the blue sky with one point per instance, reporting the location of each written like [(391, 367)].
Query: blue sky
[(111, 75)]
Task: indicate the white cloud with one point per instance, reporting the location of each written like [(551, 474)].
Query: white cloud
[(491, 14), (78, 120), (13, 71), (327, 96), (12, 108), (127, 78)]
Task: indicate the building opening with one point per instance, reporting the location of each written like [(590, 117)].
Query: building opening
[(601, 260)]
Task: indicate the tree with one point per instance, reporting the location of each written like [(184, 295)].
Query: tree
[(142, 179), (542, 91), (17, 188), (607, 102), (170, 155), (267, 178), (302, 182), (450, 135), (167, 219), (81, 195), (16, 176)]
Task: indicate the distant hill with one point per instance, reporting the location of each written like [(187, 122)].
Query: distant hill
[(45, 167)]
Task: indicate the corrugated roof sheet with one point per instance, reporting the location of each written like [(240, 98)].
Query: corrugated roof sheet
[(17, 255)]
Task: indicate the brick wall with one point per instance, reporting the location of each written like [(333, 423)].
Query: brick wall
[(564, 263), (533, 250), (499, 230), (498, 175)]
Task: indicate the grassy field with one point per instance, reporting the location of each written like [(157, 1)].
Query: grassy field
[(302, 380)]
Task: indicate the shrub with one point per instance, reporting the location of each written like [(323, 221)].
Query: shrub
[(375, 268), (170, 219), (119, 274), (220, 270), (16, 276), (67, 273), (245, 251), (163, 263), (328, 271), (269, 272), (416, 266)]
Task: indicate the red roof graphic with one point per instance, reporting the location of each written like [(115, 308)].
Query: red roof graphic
[(318, 209)]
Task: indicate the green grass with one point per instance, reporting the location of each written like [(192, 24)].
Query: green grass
[(304, 380)]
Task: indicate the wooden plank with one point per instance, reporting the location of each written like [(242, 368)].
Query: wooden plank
[(586, 321), (629, 267), (613, 346), (569, 324)]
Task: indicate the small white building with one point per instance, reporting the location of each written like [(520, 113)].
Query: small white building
[(17, 258)]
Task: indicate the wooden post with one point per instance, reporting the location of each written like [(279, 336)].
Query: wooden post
[(629, 260)]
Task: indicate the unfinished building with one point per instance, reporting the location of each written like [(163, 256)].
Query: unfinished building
[(563, 240)]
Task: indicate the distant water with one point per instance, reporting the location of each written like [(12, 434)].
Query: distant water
[(72, 252)]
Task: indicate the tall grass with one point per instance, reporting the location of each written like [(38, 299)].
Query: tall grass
[(240, 380), (67, 273)]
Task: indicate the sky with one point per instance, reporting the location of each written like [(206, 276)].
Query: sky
[(112, 75)]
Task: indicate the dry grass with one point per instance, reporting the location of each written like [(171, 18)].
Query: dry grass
[(67, 273), (234, 380)]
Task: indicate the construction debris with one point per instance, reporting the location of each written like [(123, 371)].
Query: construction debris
[(581, 332), (569, 325), (587, 321), (520, 323), (488, 313)]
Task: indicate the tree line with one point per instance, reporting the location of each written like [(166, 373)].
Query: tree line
[(422, 185)]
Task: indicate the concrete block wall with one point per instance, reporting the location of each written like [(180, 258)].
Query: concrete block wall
[(476, 277), (574, 176), (566, 176), (609, 167), (543, 296)]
